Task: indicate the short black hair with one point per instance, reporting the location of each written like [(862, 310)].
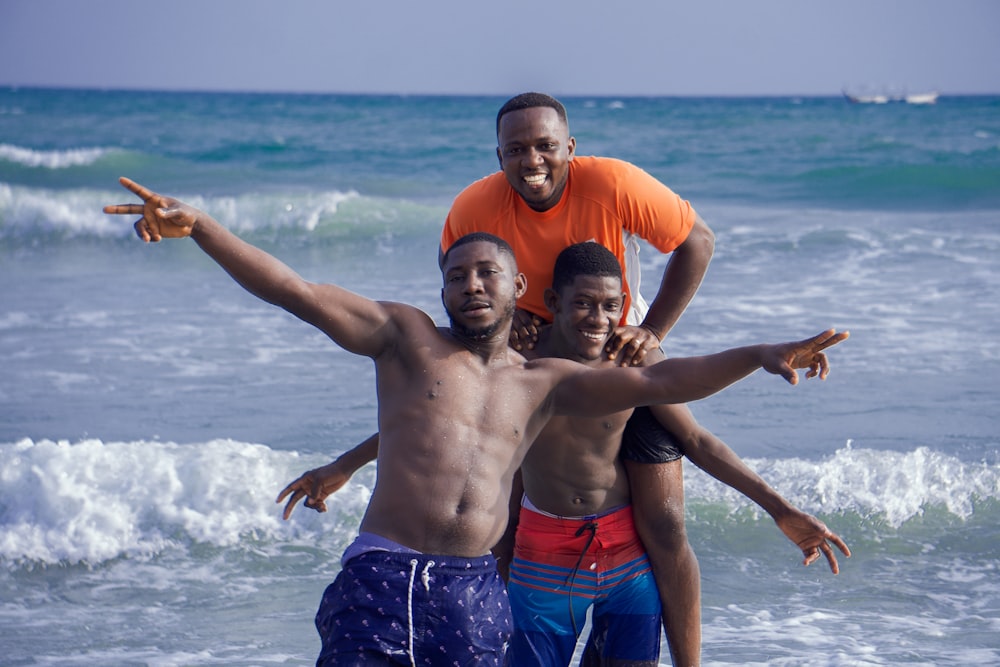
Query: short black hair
[(531, 101), (476, 237), (584, 259)]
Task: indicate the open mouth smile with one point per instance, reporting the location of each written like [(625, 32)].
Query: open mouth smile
[(535, 180), (597, 337)]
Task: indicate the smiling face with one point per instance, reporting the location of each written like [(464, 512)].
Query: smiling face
[(481, 287), (535, 149), (585, 313)]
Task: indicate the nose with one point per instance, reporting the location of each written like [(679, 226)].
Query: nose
[(532, 157), (473, 284), (598, 315)]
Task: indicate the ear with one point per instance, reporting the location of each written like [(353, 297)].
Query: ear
[(500, 158), (520, 285), (551, 298), (571, 148)]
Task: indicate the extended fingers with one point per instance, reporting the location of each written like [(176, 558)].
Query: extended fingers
[(288, 489), (831, 558), (829, 338), (833, 537), (124, 209), (140, 191), (812, 553), (292, 502)]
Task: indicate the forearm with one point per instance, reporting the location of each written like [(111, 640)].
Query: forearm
[(259, 273), (717, 459), (350, 461), (682, 277), (594, 392), (686, 379)]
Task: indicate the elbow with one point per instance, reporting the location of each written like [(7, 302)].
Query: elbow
[(703, 238), (694, 444)]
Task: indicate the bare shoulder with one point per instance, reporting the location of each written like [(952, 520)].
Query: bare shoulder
[(398, 309), (411, 322), (558, 368)]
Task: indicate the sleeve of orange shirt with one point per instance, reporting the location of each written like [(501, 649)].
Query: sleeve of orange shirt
[(651, 210), (465, 216)]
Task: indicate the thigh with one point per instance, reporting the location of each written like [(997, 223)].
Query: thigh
[(352, 627), (463, 615), (657, 500), (546, 623), (626, 624)]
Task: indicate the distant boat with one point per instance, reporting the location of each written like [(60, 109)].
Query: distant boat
[(885, 98), (921, 98), (866, 99)]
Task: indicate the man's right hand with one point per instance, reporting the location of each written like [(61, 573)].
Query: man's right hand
[(162, 217)]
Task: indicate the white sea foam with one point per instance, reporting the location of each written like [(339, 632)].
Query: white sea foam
[(895, 486), (54, 159), (29, 211), (90, 501), (26, 211)]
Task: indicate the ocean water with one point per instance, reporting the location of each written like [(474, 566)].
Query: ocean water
[(150, 410)]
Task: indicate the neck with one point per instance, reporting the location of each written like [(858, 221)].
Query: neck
[(487, 347)]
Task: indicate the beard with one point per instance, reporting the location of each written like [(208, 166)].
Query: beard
[(484, 332)]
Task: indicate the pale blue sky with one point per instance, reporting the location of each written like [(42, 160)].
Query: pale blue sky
[(587, 47)]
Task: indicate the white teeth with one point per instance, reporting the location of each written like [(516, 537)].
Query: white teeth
[(592, 336), (535, 179)]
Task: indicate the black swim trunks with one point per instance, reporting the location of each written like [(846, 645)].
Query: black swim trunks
[(646, 441)]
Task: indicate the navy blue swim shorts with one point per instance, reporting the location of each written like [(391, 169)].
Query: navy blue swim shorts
[(411, 608)]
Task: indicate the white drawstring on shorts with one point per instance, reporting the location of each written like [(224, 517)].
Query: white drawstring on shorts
[(425, 579)]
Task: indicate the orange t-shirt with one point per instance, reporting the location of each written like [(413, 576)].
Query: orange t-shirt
[(604, 200)]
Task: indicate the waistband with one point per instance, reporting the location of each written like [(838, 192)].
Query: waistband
[(527, 504), (388, 552)]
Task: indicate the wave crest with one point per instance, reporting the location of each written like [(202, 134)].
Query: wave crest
[(91, 501), (894, 487), (55, 159)]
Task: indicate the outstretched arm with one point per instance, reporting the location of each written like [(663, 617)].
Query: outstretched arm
[(354, 322), (715, 457), (317, 484), (598, 391)]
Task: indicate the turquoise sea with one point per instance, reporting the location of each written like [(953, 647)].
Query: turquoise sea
[(150, 410)]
